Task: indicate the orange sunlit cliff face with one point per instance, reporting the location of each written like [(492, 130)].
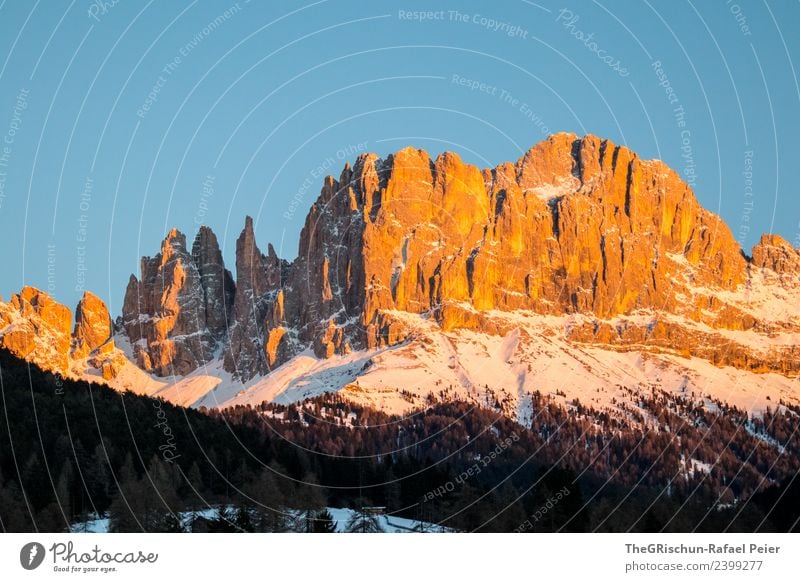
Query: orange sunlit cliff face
[(577, 226)]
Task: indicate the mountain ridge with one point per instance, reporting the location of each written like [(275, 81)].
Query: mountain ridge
[(577, 228)]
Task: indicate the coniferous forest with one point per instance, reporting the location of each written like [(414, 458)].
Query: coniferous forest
[(72, 451)]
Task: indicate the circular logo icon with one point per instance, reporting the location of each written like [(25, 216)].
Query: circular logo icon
[(31, 555)]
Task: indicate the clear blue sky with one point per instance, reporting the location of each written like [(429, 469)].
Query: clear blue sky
[(94, 171)]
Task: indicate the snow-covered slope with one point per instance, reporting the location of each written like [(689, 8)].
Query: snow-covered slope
[(535, 355), (341, 517), (563, 356)]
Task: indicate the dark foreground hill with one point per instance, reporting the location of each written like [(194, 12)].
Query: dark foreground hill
[(70, 450)]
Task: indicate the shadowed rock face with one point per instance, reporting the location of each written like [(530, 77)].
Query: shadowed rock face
[(216, 283), (258, 279), (176, 315), (186, 307)]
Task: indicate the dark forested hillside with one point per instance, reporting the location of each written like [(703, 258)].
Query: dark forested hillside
[(70, 450)]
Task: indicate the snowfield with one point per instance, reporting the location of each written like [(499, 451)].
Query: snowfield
[(388, 523), (534, 356)]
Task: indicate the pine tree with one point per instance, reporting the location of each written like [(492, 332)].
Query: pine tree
[(323, 522), (308, 500), (194, 491), (13, 511), (96, 472), (363, 521), (266, 499), (392, 491), (243, 521), (122, 514), (149, 503)]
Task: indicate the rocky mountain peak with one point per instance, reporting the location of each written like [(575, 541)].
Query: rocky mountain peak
[(576, 225), (37, 328), (174, 244), (216, 282), (93, 326), (258, 278), (252, 274), (165, 312), (777, 254)]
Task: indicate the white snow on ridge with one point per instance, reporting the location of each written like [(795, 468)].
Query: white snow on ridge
[(478, 367), (768, 298), (549, 192)]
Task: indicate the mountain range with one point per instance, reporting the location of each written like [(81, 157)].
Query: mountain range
[(579, 271)]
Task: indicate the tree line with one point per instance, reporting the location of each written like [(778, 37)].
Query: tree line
[(71, 451)]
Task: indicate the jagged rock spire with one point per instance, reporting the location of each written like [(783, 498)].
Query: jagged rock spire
[(258, 279), (216, 281), (168, 307)]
